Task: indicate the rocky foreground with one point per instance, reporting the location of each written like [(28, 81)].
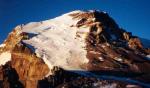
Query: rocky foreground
[(80, 49)]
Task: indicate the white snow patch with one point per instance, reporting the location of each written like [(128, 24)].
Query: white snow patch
[(132, 86), (94, 52), (104, 12), (35, 27), (114, 85), (100, 85), (101, 58), (2, 45), (103, 46), (148, 57), (56, 42), (118, 59), (5, 57)]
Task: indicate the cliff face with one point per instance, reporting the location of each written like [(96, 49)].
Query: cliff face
[(25, 68), (77, 49)]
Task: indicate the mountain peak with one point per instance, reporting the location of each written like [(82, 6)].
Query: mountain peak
[(80, 42)]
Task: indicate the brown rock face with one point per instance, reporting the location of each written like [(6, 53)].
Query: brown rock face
[(111, 50), (135, 43), (30, 68), (13, 38), (126, 36), (26, 67)]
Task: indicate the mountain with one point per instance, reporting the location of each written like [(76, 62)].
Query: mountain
[(80, 49)]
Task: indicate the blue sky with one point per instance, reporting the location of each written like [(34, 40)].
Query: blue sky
[(132, 15)]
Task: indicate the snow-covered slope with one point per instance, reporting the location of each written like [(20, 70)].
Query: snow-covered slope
[(5, 57), (56, 42)]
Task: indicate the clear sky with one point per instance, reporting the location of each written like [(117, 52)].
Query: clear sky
[(132, 15)]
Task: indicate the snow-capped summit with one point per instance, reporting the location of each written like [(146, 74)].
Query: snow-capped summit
[(57, 43), (79, 43)]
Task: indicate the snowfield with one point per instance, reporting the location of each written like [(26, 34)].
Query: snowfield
[(4, 58), (56, 42), (2, 45)]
